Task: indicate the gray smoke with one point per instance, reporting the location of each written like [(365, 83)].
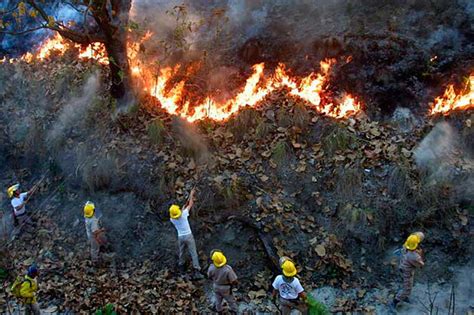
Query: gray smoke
[(192, 142), (441, 156), (72, 116), (16, 45)]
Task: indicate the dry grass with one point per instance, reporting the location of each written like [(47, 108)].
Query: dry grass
[(348, 183), (301, 117), (355, 216), (283, 117), (156, 131), (338, 139), (262, 130), (280, 153), (244, 123), (100, 173)]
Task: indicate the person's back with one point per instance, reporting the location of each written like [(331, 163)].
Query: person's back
[(28, 291), (181, 224), (179, 218), (222, 276), (223, 279), (410, 260), (17, 201)]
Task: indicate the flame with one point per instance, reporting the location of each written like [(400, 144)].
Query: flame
[(95, 51), (256, 88), (451, 100), (178, 101)]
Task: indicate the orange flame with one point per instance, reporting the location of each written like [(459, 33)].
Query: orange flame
[(174, 100), (257, 87), (455, 101)]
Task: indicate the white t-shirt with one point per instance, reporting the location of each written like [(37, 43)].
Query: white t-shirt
[(287, 290), (16, 201), (181, 224)]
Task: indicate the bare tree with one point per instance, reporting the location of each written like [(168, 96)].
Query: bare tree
[(104, 21)]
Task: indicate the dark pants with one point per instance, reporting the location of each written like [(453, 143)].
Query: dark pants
[(286, 306)]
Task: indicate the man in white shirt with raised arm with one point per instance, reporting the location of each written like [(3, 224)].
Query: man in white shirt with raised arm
[(18, 202), (179, 218)]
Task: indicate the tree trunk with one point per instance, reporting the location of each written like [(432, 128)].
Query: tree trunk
[(119, 67), (116, 46)]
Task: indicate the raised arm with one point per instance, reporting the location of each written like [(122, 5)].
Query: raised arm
[(190, 202)]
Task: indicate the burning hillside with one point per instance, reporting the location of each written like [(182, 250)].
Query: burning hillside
[(172, 94), (323, 131)]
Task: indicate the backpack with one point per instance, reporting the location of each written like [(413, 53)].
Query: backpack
[(16, 286)]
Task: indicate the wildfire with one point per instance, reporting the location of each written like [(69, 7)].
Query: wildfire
[(455, 101), (176, 100), (256, 88)]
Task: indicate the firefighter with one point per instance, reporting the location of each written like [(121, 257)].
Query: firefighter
[(28, 290), (18, 202), (223, 279), (291, 293), (411, 259), (92, 227), (179, 218)]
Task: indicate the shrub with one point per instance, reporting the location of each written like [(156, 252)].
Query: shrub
[(156, 131), (283, 118), (349, 183), (100, 173), (301, 117), (244, 122), (338, 139), (280, 152), (262, 130)]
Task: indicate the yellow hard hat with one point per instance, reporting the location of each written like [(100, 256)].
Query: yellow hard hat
[(412, 242), (289, 269), (12, 189), (89, 208), (175, 212), (218, 259)]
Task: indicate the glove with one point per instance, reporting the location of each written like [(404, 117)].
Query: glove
[(15, 220)]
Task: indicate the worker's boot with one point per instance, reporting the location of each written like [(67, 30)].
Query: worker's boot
[(181, 269), (197, 275), (394, 303)]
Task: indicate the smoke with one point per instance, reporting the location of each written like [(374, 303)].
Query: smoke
[(72, 116), (14, 45), (192, 141), (437, 148), (440, 155), (445, 38)]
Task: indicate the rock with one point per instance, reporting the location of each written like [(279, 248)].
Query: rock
[(404, 119)]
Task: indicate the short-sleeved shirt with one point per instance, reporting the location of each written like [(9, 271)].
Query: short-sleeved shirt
[(224, 275), (17, 201), (289, 291), (92, 225), (410, 260), (181, 224)]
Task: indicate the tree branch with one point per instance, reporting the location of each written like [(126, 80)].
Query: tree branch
[(65, 31), (25, 31)]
